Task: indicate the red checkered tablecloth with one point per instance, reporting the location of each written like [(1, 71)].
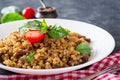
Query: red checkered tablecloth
[(75, 75)]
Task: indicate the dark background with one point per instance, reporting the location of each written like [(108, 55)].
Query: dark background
[(103, 13)]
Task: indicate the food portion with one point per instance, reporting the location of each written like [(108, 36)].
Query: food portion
[(39, 46)]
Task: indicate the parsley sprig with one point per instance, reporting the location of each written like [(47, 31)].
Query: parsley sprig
[(30, 57)]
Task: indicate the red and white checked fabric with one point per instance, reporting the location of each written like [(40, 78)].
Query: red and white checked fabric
[(75, 75)]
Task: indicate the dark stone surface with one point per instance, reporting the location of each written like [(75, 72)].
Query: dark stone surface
[(103, 13)]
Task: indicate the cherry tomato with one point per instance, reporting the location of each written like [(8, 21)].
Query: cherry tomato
[(28, 13), (34, 36)]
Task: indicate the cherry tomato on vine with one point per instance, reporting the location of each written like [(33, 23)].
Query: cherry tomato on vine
[(28, 13), (34, 36)]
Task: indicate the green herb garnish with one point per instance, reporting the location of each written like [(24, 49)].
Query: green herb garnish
[(30, 57), (58, 32), (55, 32), (83, 48), (44, 26), (34, 25), (11, 17)]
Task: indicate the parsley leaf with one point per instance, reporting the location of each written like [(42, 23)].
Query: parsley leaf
[(30, 57), (83, 48), (58, 32)]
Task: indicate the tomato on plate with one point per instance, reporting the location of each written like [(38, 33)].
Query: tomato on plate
[(28, 13), (34, 36)]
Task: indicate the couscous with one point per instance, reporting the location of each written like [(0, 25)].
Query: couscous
[(17, 50)]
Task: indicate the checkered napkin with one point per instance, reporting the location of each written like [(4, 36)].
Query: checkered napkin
[(75, 75)]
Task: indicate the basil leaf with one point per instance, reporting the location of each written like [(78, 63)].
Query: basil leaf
[(58, 32), (34, 25), (30, 57), (11, 17), (84, 48), (44, 26)]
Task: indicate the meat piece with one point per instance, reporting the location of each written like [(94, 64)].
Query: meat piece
[(78, 41), (85, 57), (88, 40), (36, 45), (20, 53), (1, 53), (81, 36), (23, 58)]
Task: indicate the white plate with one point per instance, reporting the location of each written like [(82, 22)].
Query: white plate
[(102, 43)]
